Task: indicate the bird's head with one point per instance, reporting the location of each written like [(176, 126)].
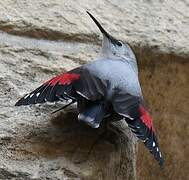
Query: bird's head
[(113, 48)]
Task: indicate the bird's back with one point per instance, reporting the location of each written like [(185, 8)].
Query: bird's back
[(118, 72)]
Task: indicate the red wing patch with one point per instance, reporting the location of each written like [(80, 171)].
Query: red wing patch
[(63, 79), (145, 117), (142, 127), (53, 90)]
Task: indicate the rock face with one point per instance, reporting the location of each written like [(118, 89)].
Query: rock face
[(39, 39), (37, 145)]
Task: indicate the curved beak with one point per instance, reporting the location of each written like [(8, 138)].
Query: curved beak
[(105, 33)]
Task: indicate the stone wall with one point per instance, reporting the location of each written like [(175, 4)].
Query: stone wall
[(39, 39)]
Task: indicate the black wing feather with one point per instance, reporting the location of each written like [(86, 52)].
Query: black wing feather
[(130, 106)]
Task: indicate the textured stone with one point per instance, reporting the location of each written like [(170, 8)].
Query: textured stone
[(37, 145), (163, 24), (53, 36)]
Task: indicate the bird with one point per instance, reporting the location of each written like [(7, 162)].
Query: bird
[(105, 86)]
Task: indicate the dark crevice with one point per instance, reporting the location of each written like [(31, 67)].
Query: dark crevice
[(31, 31), (49, 34)]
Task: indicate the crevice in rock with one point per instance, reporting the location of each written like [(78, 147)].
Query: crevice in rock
[(48, 34)]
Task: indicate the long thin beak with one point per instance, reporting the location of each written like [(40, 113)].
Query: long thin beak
[(98, 24), (112, 39)]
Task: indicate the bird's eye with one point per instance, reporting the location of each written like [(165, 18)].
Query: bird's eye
[(119, 43)]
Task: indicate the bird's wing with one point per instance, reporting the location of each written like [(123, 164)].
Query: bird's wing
[(139, 120), (67, 86)]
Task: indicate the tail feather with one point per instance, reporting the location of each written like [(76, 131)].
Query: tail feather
[(93, 115)]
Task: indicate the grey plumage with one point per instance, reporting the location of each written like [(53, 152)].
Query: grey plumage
[(106, 86)]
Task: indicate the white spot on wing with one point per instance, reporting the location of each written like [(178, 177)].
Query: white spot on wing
[(38, 94), (69, 100), (82, 95), (31, 95), (154, 144), (160, 154), (26, 96), (157, 149), (145, 140)]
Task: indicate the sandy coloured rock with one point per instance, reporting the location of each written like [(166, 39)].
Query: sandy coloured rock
[(40, 39)]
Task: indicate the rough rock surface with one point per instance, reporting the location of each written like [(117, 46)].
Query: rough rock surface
[(39, 39), (36, 145)]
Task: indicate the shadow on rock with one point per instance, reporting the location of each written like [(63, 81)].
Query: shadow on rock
[(65, 137)]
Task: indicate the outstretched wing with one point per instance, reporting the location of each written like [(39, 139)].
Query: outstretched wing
[(67, 86), (139, 120), (59, 87)]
